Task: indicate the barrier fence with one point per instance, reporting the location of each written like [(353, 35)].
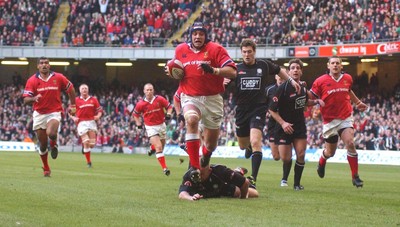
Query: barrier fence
[(312, 155)]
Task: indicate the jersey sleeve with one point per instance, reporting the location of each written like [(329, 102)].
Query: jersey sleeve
[(67, 85), (223, 58), (274, 68), (138, 110), (164, 102), (29, 89), (97, 105), (275, 98), (316, 88)]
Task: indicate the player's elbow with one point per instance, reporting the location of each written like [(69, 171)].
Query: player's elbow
[(230, 72)]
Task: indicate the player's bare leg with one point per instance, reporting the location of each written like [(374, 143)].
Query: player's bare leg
[(352, 157), (51, 131)]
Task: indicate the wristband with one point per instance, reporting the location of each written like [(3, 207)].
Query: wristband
[(358, 103), (290, 79)]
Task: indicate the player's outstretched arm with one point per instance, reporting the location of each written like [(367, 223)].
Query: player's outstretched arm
[(186, 196), (359, 104)]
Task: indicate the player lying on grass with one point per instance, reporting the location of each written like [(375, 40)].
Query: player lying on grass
[(219, 181)]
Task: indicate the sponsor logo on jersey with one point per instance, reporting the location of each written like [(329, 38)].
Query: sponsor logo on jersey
[(250, 83), (300, 102)]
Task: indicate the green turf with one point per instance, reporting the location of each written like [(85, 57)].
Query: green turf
[(130, 190)]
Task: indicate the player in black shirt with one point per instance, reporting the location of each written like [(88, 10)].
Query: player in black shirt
[(287, 109), (220, 181), (253, 76), (270, 93)]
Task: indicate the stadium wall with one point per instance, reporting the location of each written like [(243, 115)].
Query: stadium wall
[(312, 155)]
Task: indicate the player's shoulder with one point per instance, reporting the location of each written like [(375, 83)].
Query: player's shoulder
[(214, 47), (181, 47), (57, 74), (271, 88), (324, 76), (347, 75)]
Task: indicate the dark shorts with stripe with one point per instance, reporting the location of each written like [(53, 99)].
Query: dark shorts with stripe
[(248, 117), (281, 138)]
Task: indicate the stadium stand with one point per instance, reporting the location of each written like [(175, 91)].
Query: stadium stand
[(151, 23), (24, 22)]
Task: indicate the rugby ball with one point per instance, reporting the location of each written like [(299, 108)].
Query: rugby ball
[(175, 69)]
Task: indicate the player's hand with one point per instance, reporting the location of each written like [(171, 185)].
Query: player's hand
[(207, 68), (196, 197), (37, 97), (362, 106), (287, 128), (320, 102), (226, 81), (167, 71), (168, 117), (72, 109), (296, 86), (181, 118), (75, 119)]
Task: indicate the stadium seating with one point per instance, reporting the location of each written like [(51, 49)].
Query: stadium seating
[(151, 23)]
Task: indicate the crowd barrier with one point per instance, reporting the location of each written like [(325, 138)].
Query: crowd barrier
[(312, 155)]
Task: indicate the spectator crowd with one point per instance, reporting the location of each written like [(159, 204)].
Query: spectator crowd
[(130, 23), (376, 129)]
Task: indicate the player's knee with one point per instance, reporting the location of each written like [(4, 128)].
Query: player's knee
[(192, 118), (350, 145), (53, 136), (300, 157)]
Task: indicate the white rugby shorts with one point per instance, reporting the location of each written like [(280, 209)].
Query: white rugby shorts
[(40, 120), (160, 130), (85, 126), (211, 108), (333, 127)]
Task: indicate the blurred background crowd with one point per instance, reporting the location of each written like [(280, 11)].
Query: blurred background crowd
[(376, 129)]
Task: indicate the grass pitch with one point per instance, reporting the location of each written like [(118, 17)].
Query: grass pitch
[(131, 190)]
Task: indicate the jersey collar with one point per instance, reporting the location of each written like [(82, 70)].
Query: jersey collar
[(41, 78)]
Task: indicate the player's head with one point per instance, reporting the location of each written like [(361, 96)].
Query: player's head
[(335, 65), (43, 65), (148, 90), (295, 68), (198, 35), (84, 90), (248, 49)]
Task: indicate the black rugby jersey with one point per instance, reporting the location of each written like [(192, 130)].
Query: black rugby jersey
[(252, 80), (289, 104)]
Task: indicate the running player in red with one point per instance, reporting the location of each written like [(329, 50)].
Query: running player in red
[(152, 108), (43, 92), (206, 64), (88, 111), (334, 88)]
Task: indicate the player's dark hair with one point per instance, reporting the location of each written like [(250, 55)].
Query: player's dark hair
[(42, 58), (297, 61), (247, 43)]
